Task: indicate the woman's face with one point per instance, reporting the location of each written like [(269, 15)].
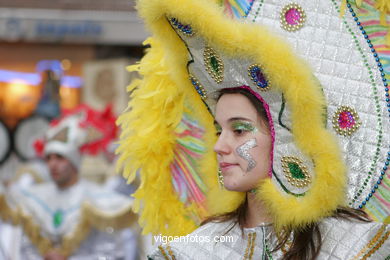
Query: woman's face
[(244, 144)]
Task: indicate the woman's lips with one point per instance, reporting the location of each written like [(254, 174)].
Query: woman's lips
[(226, 166)]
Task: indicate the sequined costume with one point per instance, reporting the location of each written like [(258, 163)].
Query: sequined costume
[(320, 69), (341, 240), (82, 219)]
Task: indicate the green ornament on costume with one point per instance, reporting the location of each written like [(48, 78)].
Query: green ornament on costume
[(58, 218), (296, 171), (214, 64)]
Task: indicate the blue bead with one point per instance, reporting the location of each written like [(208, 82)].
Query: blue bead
[(377, 59), (368, 41), (384, 168), (387, 163), (379, 181), (365, 36), (361, 27), (353, 14), (358, 23), (349, 6), (360, 206), (355, 19), (376, 187), (372, 50), (386, 89), (370, 195), (384, 79), (363, 32), (382, 74), (364, 203), (387, 100), (385, 84), (370, 45), (380, 69), (375, 54)]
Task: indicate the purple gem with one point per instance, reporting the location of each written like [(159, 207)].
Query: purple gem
[(346, 119), (259, 77), (292, 16)]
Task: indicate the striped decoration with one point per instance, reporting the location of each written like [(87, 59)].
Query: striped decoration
[(189, 149), (378, 207), (370, 19), (237, 8)]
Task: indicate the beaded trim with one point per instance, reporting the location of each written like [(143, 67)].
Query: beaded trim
[(185, 29), (346, 121), (170, 252), (292, 17), (220, 179), (198, 87), (295, 171), (250, 247), (257, 76), (214, 64), (375, 243), (378, 110), (166, 257)]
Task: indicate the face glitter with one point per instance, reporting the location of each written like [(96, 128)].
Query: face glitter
[(244, 126), (243, 151)]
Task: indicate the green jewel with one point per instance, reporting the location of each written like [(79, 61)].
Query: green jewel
[(58, 217), (296, 171), (214, 64)]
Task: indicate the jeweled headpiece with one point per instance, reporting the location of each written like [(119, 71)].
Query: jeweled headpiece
[(322, 77)]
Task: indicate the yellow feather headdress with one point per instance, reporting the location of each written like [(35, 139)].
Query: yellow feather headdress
[(319, 105)]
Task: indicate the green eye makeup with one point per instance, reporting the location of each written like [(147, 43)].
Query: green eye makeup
[(218, 128), (244, 126)]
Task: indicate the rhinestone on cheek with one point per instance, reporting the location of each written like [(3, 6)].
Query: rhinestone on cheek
[(292, 17)]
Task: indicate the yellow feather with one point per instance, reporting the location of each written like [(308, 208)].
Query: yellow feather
[(384, 7), (388, 37)]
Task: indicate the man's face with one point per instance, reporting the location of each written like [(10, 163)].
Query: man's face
[(61, 169)]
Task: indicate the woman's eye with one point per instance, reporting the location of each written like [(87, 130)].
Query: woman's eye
[(240, 128), (239, 131)]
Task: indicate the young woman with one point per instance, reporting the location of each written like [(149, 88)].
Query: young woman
[(243, 151), (303, 137)]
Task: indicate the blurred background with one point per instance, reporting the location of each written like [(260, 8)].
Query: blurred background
[(55, 56), (64, 52)]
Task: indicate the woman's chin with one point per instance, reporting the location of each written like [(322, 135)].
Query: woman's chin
[(234, 187)]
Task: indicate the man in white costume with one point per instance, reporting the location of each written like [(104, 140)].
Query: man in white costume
[(69, 218)]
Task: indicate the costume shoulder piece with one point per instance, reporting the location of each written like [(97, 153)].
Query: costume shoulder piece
[(320, 68)]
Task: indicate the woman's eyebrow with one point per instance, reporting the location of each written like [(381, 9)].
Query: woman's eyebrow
[(239, 119)]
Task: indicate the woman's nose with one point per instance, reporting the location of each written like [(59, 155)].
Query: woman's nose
[(222, 146)]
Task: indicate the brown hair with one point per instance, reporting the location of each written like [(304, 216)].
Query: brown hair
[(306, 241), (252, 98)]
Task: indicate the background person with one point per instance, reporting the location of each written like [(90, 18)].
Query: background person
[(71, 217)]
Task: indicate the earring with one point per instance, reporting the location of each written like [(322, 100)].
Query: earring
[(220, 178)]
